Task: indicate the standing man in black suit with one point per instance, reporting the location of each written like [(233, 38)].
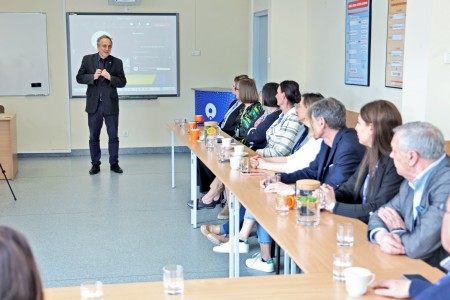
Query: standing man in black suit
[(103, 73)]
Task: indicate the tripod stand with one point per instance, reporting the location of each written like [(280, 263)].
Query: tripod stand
[(7, 181)]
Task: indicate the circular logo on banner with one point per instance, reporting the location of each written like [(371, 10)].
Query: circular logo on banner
[(210, 110)]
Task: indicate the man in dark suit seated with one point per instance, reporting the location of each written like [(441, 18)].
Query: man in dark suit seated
[(340, 152), (411, 222), (103, 73)]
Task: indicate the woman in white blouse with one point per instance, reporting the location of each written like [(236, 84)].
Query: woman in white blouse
[(305, 154)]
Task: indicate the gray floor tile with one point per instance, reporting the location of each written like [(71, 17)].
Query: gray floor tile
[(110, 227)]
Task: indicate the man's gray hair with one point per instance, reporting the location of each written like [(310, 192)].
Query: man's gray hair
[(331, 110), (104, 36), (422, 137)]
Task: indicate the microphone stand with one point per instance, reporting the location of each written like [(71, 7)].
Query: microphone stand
[(7, 181)]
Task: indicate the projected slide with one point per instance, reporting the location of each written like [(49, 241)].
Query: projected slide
[(146, 43)]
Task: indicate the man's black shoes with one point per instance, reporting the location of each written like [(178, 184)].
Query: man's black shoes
[(94, 170), (115, 168)]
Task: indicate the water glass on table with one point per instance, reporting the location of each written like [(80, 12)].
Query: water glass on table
[(284, 201), (173, 279), (341, 261), (91, 290), (245, 165), (345, 234)]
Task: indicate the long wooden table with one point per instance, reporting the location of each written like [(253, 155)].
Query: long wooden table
[(304, 286), (311, 248)]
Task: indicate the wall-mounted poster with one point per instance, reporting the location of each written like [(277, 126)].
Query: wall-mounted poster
[(357, 42), (395, 43)]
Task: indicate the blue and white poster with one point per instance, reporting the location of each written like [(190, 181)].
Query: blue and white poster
[(357, 42)]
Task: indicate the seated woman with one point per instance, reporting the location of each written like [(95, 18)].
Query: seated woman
[(283, 133), (20, 276), (376, 180), (310, 146), (256, 136), (251, 111)]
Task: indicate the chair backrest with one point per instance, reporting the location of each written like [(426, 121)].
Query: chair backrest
[(352, 119), (2, 109)]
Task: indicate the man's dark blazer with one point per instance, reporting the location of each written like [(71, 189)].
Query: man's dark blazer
[(233, 119), (107, 89), (333, 165)]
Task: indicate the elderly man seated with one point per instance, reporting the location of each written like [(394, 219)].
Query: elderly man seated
[(411, 222)]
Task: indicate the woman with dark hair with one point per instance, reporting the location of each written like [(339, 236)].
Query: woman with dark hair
[(282, 134), (376, 180), (19, 275), (256, 136)]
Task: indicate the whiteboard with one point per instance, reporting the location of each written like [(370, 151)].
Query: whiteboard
[(23, 59)]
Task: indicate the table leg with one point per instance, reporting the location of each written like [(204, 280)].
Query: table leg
[(287, 261), (231, 234), (236, 236), (172, 139), (293, 267), (194, 189)]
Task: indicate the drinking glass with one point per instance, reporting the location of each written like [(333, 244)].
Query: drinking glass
[(173, 279), (91, 290), (345, 234), (341, 261), (245, 165)]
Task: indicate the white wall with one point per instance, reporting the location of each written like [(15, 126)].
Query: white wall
[(427, 89), (287, 48), (222, 34), (326, 53), (308, 45)]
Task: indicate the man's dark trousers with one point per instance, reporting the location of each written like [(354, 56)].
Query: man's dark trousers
[(95, 122)]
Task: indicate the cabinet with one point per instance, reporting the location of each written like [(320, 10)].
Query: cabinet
[(8, 145)]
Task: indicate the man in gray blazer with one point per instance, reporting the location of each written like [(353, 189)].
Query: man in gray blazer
[(411, 222), (103, 73)]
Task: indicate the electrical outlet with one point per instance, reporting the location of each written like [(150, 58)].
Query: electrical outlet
[(196, 52), (125, 133)]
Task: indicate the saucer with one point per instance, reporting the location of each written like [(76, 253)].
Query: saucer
[(242, 154)]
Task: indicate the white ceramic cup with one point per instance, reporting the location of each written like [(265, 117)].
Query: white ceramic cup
[(226, 142), (235, 162), (357, 280), (238, 149), (173, 279)]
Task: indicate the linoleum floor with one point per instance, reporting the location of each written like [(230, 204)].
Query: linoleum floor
[(116, 228)]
